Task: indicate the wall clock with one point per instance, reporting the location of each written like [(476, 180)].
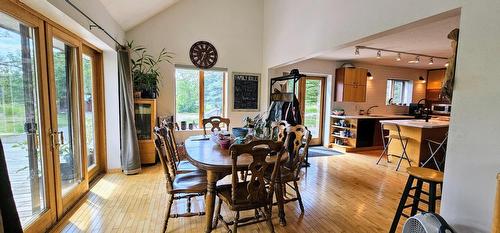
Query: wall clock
[(203, 55)]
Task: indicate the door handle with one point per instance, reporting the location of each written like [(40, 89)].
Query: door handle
[(61, 135)]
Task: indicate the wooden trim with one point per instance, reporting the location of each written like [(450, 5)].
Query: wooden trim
[(496, 214), (201, 97), (302, 95)]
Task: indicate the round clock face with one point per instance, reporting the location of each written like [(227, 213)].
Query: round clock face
[(203, 55)]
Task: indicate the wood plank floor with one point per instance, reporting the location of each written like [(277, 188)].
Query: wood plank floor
[(342, 193)]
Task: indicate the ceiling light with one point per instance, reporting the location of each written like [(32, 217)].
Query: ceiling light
[(447, 64), (431, 61), (399, 57), (379, 54), (356, 52), (369, 75)]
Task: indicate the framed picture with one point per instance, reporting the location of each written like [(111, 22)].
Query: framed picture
[(246, 92)]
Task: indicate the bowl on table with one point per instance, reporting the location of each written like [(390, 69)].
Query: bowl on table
[(240, 132)]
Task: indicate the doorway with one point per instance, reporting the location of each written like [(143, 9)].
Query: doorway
[(312, 104)]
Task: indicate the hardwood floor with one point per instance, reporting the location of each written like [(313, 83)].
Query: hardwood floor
[(342, 193)]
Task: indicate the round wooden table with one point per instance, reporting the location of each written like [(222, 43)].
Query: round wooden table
[(208, 156)]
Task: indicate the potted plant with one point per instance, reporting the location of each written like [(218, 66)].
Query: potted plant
[(145, 70)]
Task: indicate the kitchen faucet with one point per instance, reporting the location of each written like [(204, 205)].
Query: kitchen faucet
[(370, 108)]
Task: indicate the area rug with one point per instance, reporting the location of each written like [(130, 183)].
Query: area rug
[(319, 151)]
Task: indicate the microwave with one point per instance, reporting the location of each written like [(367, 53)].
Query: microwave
[(441, 109)]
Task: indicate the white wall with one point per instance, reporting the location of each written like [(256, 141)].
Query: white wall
[(376, 89), (234, 27), (60, 12), (472, 158)]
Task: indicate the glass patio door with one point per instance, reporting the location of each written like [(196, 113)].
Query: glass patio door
[(23, 122), (311, 94), (64, 56)]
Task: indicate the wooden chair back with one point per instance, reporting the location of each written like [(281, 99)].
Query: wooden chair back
[(165, 135), (215, 121), (279, 131), (297, 144), (168, 170), (256, 187)]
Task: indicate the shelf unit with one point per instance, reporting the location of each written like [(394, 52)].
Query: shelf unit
[(337, 140)]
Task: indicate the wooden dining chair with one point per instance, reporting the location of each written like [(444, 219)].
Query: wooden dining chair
[(215, 121), (254, 194), (165, 135), (297, 145), (180, 186)]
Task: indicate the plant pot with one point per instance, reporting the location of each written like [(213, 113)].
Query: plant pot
[(148, 94)]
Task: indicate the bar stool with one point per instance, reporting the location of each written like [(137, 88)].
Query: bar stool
[(440, 146), (404, 143), (427, 175)]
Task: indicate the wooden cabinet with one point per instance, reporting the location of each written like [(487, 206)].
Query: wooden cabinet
[(145, 121), (435, 80), (350, 84)]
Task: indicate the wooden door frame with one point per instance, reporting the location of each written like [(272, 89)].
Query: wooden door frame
[(302, 92), (98, 106), (48, 217), (65, 203)]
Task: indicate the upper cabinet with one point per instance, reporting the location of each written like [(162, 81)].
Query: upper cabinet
[(435, 80), (350, 84)]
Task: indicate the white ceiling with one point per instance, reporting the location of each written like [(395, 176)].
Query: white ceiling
[(429, 39), (130, 13)]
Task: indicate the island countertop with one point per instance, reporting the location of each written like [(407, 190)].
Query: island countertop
[(419, 123), (373, 116)]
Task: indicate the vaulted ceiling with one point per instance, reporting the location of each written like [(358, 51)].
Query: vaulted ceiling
[(130, 13)]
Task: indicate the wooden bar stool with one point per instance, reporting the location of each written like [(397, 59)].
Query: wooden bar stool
[(430, 176)]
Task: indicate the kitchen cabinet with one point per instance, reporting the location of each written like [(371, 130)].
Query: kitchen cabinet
[(350, 84), (435, 80)]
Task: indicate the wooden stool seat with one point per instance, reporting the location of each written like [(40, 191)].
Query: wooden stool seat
[(426, 174)]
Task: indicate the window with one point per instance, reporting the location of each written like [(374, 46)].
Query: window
[(399, 92), (198, 95)]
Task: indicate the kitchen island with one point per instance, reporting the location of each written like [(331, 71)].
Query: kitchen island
[(418, 131), (350, 133)]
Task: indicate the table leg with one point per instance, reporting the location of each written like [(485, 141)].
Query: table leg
[(280, 199), (210, 200)]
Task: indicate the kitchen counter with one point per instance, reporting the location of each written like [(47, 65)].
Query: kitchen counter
[(373, 116), (419, 123)]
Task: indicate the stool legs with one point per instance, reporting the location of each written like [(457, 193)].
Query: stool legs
[(385, 151), (401, 205), (404, 155), (432, 197), (418, 191)]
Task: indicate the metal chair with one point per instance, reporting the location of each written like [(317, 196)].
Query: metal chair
[(404, 143), (440, 146)]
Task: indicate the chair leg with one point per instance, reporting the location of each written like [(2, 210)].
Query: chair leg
[(432, 197), (235, 225), (299, 197), (384, 152), (217, 213), (406, 154), (401, 205), (167, 213), (268, 216)]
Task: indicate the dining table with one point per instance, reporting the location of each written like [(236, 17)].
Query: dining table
[(207, 155)]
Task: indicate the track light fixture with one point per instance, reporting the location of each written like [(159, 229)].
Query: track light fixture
[(369, 75), (422, 79), (398, 58)]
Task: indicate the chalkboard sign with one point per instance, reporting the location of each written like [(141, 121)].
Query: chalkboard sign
[(245, 91)]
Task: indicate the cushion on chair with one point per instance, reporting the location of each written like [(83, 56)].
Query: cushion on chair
[(192, 182), (185, 166), (224, 193)]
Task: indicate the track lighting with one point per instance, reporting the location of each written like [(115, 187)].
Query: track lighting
[(379, 54), (399, 57), (431, 61), (356, 52), (447, 64)]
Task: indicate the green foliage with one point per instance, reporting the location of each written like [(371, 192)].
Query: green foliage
[(145, 68)]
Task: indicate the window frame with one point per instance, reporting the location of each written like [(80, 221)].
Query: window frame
[(406, 98), (201, 97)]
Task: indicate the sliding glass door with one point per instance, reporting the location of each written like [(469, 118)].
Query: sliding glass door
[(64, 56), (23, 85)]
